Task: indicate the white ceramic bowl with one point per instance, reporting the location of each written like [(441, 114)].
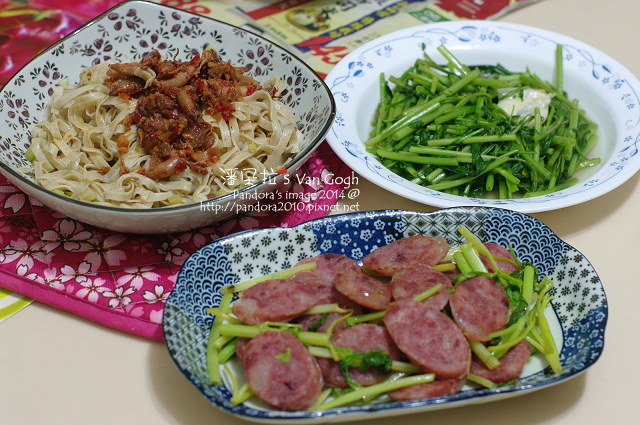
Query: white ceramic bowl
[(606, 90), (124, 33)]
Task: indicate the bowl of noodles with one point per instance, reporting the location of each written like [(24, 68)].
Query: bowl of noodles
[(150, 119)]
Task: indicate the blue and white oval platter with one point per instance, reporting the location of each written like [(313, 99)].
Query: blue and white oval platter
[(578, 317)]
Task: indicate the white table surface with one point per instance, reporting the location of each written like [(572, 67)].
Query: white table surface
[(57, 368)]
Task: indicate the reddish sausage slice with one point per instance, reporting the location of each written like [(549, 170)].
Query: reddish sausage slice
[(414, 280), (327, 265), (429, 338), (280, 371), (363, 289), (311, 278), (498, 251), (241, 345), (362, 339), (480, 307), (511, 364), (406, 252), (437, 388), (325, 292), (273, 300)]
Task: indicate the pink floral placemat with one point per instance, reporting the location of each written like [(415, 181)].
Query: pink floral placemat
[(122, 280), (118, 280)]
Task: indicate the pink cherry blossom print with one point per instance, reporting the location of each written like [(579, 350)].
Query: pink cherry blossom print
[(159, 294), (13, 198), (68, 234), (92, 289), (137, 276), (119, 297), (105, 249), (81, 274)]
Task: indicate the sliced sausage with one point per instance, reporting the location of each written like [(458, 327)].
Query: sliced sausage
[(501, 252), (280, 371), (241, 345), (419, 249), (437, 388), (428, 338), (325, 292), (273, 300), (480, 307), (311, 278), (327, 265), (414, 280), (365, 290), (362, 338), (511, 364)]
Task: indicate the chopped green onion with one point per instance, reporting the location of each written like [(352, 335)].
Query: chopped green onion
[(29, 155)]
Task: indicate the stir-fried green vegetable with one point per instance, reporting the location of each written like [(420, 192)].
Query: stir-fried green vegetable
[(475, 130)]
